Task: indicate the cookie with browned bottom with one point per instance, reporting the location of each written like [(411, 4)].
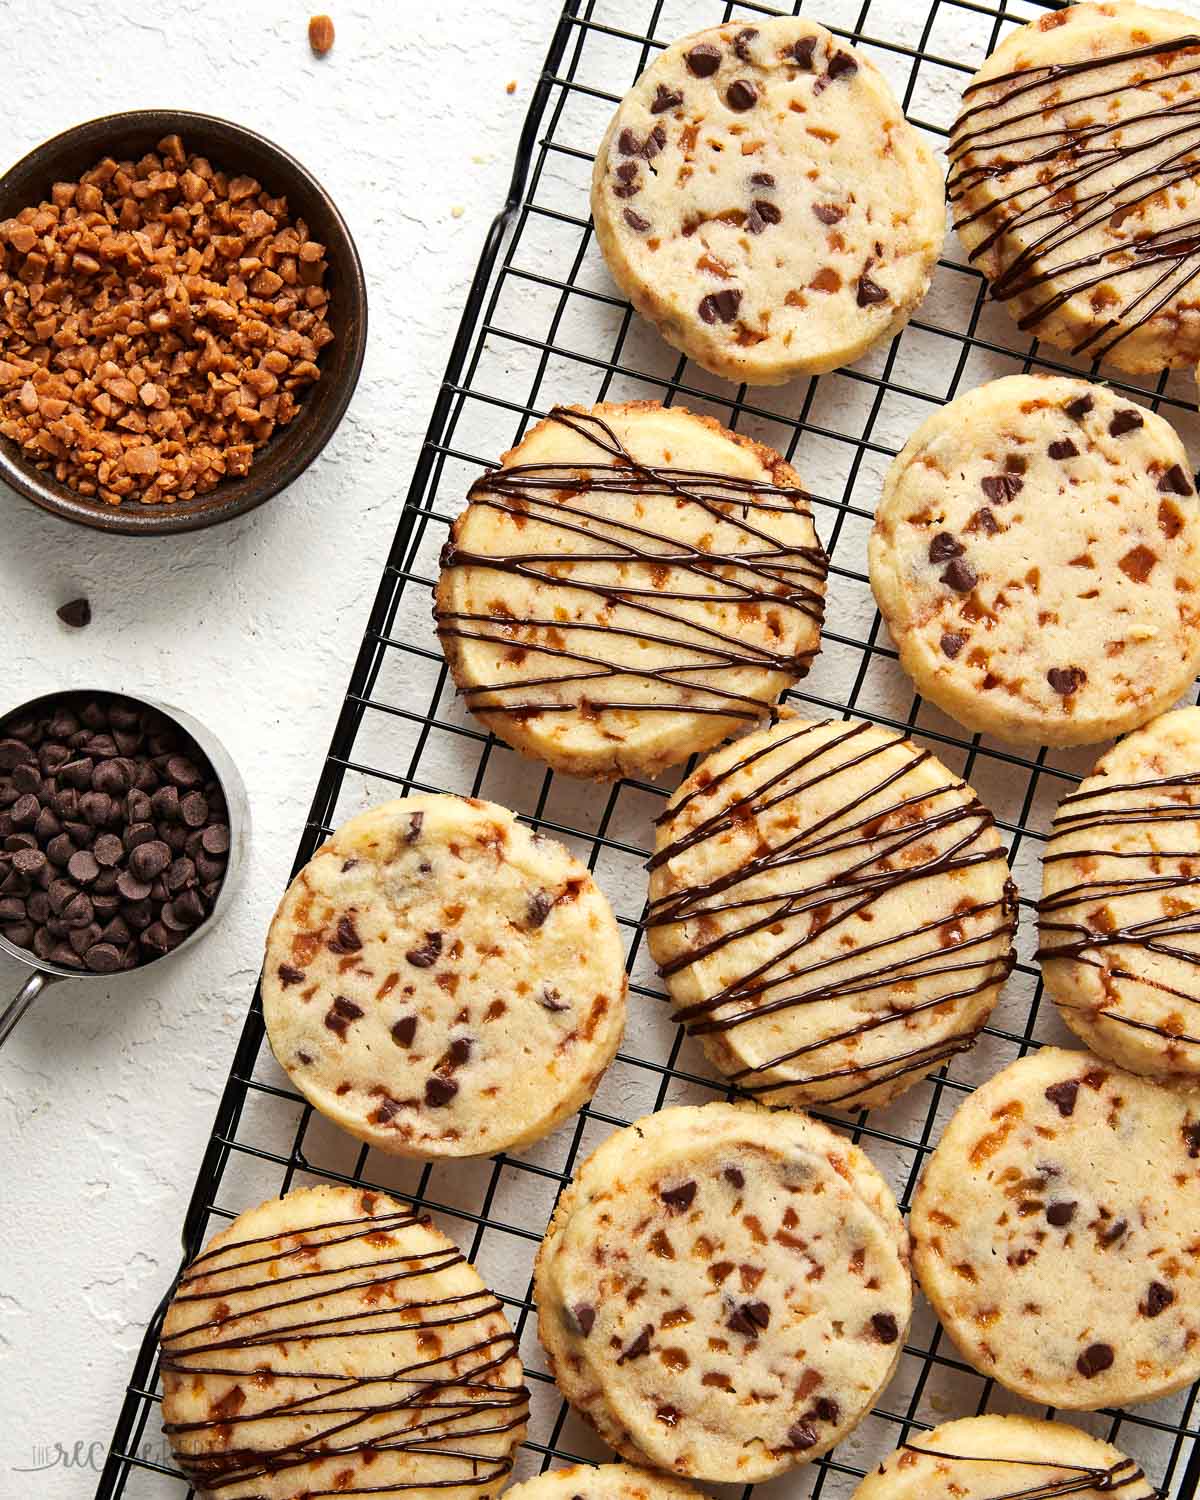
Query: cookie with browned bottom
[(440, 981), (333, 1342), (1054, 1231), (723, 1291), (603, 1482)]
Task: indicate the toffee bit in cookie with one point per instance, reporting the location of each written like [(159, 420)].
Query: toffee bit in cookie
[(162, 318), (703, 59), (1094, 1360), (1128, 419), (1066, 680)]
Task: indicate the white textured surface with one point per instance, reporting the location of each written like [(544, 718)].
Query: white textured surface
[(106, 1103)]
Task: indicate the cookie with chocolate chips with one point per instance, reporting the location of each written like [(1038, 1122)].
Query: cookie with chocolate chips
[(1073, 184), (604, 1482), (1054, 1231), (630, 585), (442, 982), (314, 1345), (1036, 556), (1120, 908), (983, 1458), (832, 912), (760, 197), (724, 1291)]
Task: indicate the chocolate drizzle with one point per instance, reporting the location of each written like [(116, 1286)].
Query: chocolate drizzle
[(1100, 814), (431, 1405), (940, 830), (1074, 1479), (1058, 190), (689, 659)]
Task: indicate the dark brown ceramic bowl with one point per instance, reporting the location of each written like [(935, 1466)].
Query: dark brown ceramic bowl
[(291, 448)]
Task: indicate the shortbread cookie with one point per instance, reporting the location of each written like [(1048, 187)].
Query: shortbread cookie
[(332, 1342), (760, 197), (633, 584), (1054, 1231), (439, 981), (724, 1291), (1073, 181), (604, 1482), (832, 912), (1036, 556), (1120, 908), (1017, 1458)]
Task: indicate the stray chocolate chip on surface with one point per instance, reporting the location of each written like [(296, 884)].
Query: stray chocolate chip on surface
[(77, 613)]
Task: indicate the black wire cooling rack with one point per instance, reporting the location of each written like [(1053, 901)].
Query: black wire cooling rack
[(542, 325)]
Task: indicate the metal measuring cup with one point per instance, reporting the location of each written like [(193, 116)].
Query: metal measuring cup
[(42, 973)]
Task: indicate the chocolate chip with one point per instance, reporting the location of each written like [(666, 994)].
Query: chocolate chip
[(841, 65), (181, 873), (828, 1410), (885, 1328), (183, 772), (1095, 1359), (735, 1177), (703, 59), (428, 953), (1062, 1096), (1079, 408), (1063, 448), (1066, 680), (341, 1013), (165, 803), (133, 889), (960, 576), (82, 867), (829, 213), (346, 939), (952, 643), (722, 306), (1191, 1139), (1128, 419), (679, 1198), (13, 752), (215, 839), (945, 546), (635, 221), (639, 1347), (741, 95), (1060, 1213), (803, 50), (190, 909), (1109, 1234), (1174, 482), (459, 1051), (802, 1435), (1001, 488), (870, 292), (741, 43), (1158, 1298), (750, 1319), (762, 180), (289, 976), (78, 912), (404, 1030), (439, 1091), (665, 99), (194, 809), (77, 612), (549, 999), (585, 1317), (31, 863), (149, 859), (102, 958), (761, 214)]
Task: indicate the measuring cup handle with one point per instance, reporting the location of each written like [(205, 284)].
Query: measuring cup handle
[(27, 994)]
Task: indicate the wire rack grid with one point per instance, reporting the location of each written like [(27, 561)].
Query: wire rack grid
[(542, 325)]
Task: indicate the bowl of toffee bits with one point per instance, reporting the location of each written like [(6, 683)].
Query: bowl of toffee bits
[(183, 317), (122, 829)]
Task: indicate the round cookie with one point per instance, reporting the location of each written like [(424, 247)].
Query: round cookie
[(760, 197), (1120, 908), (1036, 556), (1073, 186), (332, 1341), (602, 1482), (724, 1291), (985, 1458), (832, 911), (1054, 1231), (633, 584), (440, 981)]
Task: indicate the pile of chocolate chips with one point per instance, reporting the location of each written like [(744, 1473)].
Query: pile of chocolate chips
[(114, 834)]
